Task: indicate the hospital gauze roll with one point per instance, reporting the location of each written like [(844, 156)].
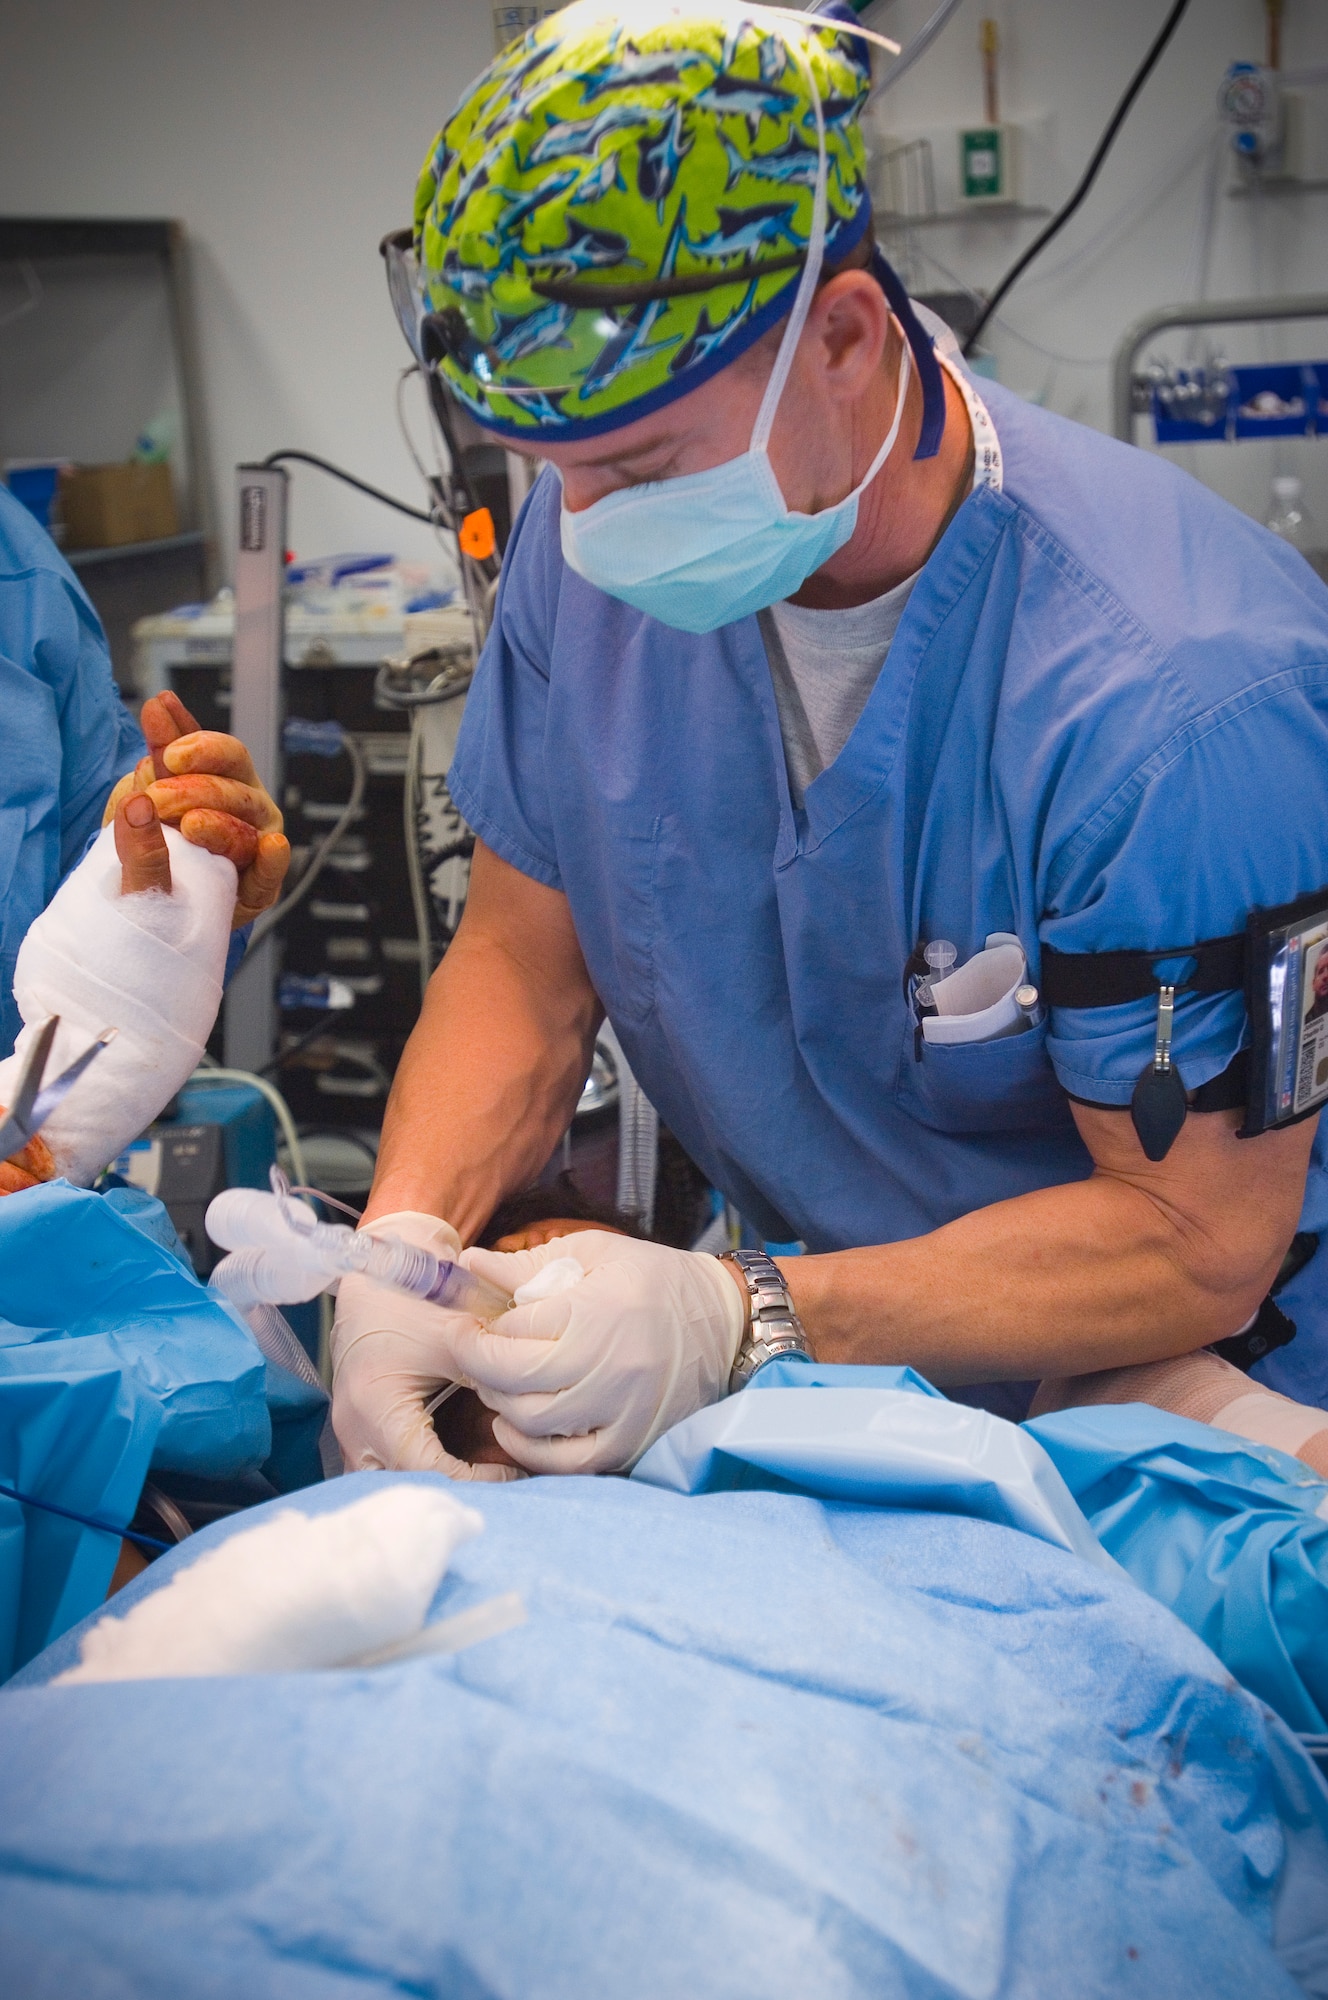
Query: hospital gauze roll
[(150, 965), (290, 1594)]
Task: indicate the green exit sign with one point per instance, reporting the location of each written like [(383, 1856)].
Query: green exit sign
[(983, 169)]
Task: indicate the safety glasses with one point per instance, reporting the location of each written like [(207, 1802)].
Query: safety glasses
[(403, 283)]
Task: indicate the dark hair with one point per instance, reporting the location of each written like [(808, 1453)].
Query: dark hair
[(682, 1203), (558, 1197)]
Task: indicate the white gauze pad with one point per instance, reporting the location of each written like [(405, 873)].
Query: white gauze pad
[(558, 1275), (299, 1592), (150, 965)]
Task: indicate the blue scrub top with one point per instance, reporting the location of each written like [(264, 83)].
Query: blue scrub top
[(65, 734), (1102, 724)]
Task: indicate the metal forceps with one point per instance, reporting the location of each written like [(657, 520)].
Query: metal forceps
[(33, 1101)]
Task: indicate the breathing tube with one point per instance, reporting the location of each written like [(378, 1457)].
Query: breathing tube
[(281, 1253)]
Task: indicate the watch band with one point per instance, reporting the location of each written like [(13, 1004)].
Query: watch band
[(775, 1328)]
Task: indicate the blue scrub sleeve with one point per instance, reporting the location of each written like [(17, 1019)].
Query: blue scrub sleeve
[(67, 735), (498, 779), (100, 741), (1225, 817)]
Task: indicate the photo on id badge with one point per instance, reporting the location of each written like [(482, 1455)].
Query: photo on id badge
[(1312, 1068)]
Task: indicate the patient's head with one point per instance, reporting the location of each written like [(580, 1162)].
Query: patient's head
[(537, 1215), (553, 1208)]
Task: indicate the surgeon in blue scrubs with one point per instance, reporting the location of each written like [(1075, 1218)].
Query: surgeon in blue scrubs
[(67, 740), (810, 649)]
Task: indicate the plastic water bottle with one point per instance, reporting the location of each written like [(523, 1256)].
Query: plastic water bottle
[(1288, 515)]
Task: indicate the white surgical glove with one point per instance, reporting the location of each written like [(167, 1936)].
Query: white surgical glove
[(586, 1380), (391, 1354)]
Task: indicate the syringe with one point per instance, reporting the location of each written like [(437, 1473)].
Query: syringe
[(281, 1253)]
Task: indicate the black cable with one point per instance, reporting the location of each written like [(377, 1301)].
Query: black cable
[(360, 485), (278, 913), (1103, 147), (88, 1521), (321, 1027)]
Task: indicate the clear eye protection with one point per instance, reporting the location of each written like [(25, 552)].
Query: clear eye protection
[(403, 283)]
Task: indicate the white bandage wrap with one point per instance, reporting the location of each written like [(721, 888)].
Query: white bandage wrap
[(296, 1592), (1268, 1418), (149, 965)]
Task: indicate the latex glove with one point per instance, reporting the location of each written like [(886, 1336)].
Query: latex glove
[(586, 1381), (391, 1354), (204, 782)]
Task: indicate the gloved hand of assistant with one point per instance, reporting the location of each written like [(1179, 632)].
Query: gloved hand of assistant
[(586, 1380), (391, 1354), (205, 783)]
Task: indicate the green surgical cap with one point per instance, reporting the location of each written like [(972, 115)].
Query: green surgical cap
[(610, 151)]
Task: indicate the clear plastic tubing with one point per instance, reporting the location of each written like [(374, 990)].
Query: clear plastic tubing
[(283, 1253)]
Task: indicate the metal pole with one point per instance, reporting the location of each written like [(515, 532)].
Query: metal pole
[(256, 660), (200, 511), (1203, 312)]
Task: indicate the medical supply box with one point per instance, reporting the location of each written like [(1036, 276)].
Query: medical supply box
[(107, 506)]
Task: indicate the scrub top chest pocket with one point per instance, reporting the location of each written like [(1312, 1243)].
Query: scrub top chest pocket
[(975, 1059), (1007, 1085)]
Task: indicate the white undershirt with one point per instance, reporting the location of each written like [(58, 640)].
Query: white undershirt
[(824, 664)]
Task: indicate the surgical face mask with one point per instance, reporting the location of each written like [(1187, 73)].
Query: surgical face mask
[(703, 550), (700, 551)]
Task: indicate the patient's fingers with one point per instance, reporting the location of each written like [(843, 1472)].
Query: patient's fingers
[(221, 833), (141, 846), (260, 884), (201, 792), (210, 750), (136, 780), (164, 717), (32, 1164)]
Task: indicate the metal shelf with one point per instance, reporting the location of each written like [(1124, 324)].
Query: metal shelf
[(135, 578), (133, 551), (34, 239), (1205, 312), (35, 236)]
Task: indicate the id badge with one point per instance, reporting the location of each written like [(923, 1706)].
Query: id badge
[(1287, 996)]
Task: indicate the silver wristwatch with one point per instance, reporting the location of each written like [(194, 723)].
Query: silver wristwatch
[(775, 1328)]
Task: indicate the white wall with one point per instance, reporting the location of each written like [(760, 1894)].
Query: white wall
[(1138, 240), (286, 135)]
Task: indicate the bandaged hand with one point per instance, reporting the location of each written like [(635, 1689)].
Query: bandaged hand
[(204, 783), (145, 864), (134, 939), (391, 1354), (586, 1380)]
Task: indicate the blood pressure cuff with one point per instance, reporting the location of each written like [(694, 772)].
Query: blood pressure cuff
[(1278, 960)]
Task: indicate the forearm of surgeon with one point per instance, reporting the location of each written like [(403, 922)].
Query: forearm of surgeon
[(490, 1078), (1139, 1262)]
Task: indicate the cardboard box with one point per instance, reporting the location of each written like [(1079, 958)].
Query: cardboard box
[(105, 506)]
